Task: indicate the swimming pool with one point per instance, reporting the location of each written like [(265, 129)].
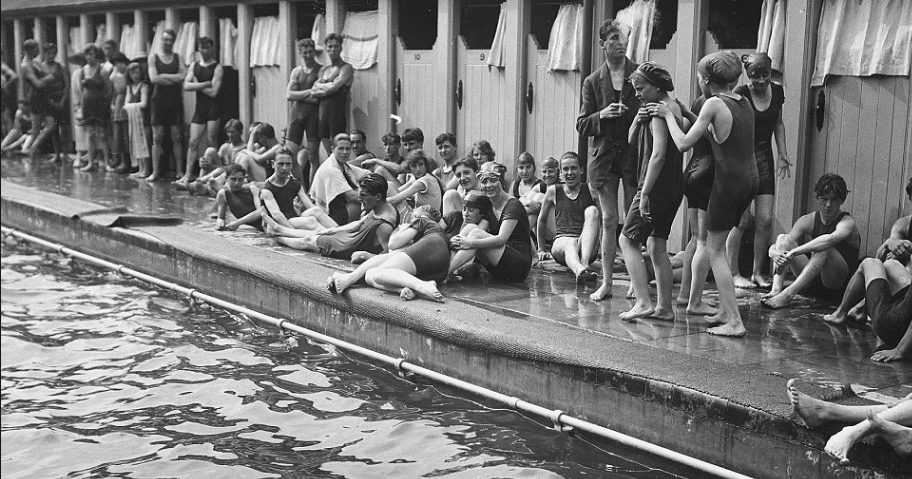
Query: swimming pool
[(104, 376)]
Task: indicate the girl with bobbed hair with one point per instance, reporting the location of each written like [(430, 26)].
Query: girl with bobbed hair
[(425, 188), (735, 179), (139, 126)]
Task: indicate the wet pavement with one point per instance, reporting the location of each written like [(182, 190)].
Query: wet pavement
[(832, 362)]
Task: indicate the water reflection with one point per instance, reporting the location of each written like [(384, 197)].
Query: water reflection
[(102, 377)]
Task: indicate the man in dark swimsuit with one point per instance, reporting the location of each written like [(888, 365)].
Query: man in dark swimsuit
[(35, 82), (279, 192), (331, 88), (167, 73), (239, 198), (58, 93), (205, 78), (359, 148), (305, 121), (577, 220), (829, 236)]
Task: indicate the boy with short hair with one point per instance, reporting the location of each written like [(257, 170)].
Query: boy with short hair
[(238, 197), (393, 166), (446, 146), (413, 139)]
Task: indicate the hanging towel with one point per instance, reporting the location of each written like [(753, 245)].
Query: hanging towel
[(771, 35), (137, 133), (360, 39), (227, 42), (129, 42), (496, 54), (565, 44), (100, 34), (185, 44), (318, 34), (863, 38), (264, 42), (639, 16), (156, 38), (75, 45)]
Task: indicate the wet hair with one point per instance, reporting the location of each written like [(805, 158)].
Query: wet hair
[(572, 155), (235, 168), (30, 44), (720, 67), (374, 184), (526, 158), (484, 148), (137, 67), (479, 201), (94, 50), (306, 42), (909, 188), (234, 124), (332, 37), (418, 155), (413, 134), (831, 183), (205, 42), (266, 131), (391, 138), (110, 43), (341, 137), (655, 74), (445, 137), (428, 212), (758, 62), (283, 152), (170, 31), (468, 162), (119, 58), (610, 26), (552, 161), (359, 133)]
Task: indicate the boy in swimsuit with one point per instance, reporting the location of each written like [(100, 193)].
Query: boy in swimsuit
[(238, 197), (413, 139), (821, 249), (576, 240), (392, 166), (359, 152), (278, 194), (446, 147), (205, 78)]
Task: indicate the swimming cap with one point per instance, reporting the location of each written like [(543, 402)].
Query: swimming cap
[(492, 169), (550, 162), (720, 67), (655, 74)]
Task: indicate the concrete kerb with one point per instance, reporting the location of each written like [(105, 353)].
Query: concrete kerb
[(456, 339)]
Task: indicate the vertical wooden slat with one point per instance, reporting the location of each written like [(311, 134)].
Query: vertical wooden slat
[(899, 168), (880, 161), (859, 175)]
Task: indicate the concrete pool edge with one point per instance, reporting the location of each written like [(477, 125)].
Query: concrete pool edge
[(468, 342)]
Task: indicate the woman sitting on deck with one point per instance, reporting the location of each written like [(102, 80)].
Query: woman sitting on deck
[(419, 256), (506, 248), (425, 188)]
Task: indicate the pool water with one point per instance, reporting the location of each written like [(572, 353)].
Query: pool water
[(104, 376)]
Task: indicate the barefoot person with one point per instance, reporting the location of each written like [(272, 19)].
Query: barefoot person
[(305, 123), (893, 423), (238, 197), (609, 107), (35, 82), (392, 166), (204, 77), (331, 88), (167, 73), (899, 245), (371, 233), (658, 196), (419, 257), (577, 219), (335, 185), (505, 249), (278, 194), (821, 249), (735, 179), (465, 173)]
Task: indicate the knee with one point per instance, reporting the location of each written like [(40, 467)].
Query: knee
[(477, 233), (628, 244), (784, 241), (763, 222), (609, 219), (266, 195), (869, 264), (591, 214), (656, 247)]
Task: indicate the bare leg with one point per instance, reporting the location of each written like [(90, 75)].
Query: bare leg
[(689, 251), (855, 292), (607, 195), (842, 442), (661, 264), (728, 318), (815, 412), (313, 155), (197, 130), (639, 280), (158, 137), (177, 147), (398, 274), (899, 437), (733, 246), (763, 227), (339, 281), (828, 265)]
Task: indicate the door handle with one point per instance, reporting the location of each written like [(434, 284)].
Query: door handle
[(459, 94), (530, 97), (397, 91), (820, 111), (253, 88)]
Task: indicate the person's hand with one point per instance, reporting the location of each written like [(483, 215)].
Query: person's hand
[(220, 224), (781, 260), (461, 242), (645, 208), (685, 111), (612, 111), (643, 115), (658, 109), (543, 255), (369, 163), (204, 162), (887, 355), (899, 248), (784, 167)]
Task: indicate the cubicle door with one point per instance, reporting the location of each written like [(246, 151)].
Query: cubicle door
[(364, 109), (269, 103), (551, 102), (482, 112), (418, 91)]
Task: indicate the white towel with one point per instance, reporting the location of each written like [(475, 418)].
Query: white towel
[(318, 34), (80, 134), (185, 44), (227, 42), (264, 42), (75, 45), (496, 54), (565, 43), (156, 38), (863, 38), (329, 182), (129, 42), (771, 34), (639, 16), (360, 39), (137, 132), (100, 34)]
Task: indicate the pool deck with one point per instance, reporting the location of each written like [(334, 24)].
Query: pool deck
[(719, 399)]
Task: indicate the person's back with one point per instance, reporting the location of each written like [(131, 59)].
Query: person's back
[(736, 168)]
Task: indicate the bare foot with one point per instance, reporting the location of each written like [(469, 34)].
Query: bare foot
[(743, 283), (702, 309), (898, 436), (630, 293), (779, 301), (812, 411), (343, 281), (727, 329), (760, 281), (407, 294), (661, 314), (773, 293), (604, 292), (683, 298), (716, 319), (842, 442), (858, 315), (270, 226), (110, 169), (838, 317), (77, 163), (428, 290), (151, 178), (586, 275), (637, 311), (331, 283), (90, 166)]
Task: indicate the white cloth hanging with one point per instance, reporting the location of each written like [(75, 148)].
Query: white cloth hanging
[(565, 44), (360, 40), (496, 54), (75, 45), (264, 42), (863, 38), (227, 42), (129, 42), (137, 133), (318, 34), (771, 34), (100, 31), (156, 38), (639, 16), (185, 43)]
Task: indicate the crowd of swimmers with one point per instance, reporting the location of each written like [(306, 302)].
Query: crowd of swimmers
[(409, 223)]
